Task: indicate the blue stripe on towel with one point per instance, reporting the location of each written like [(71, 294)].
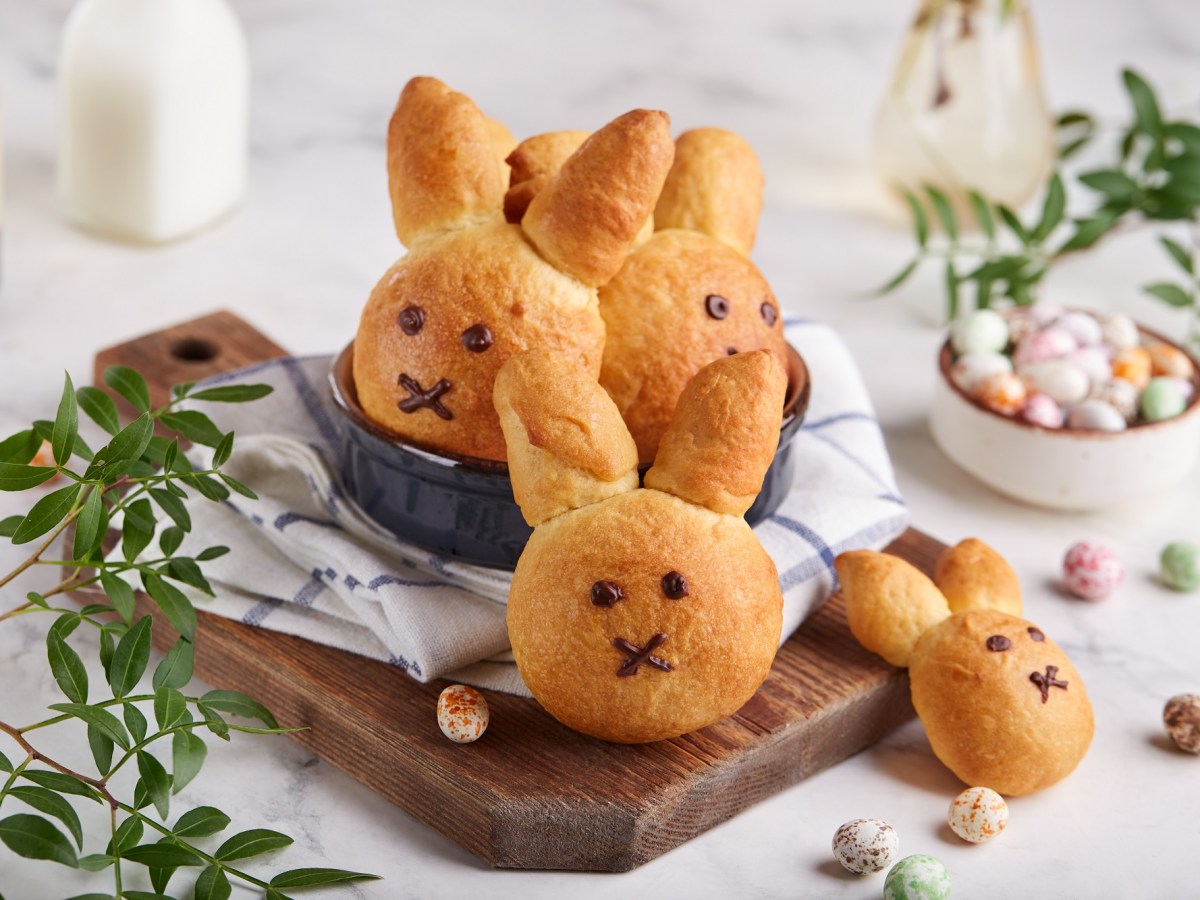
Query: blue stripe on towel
[(811, 537), (312, 401), (813, 565), (401, 663), (283, 520), (857, 461), (255, 615), (378, 582), (307, 594)]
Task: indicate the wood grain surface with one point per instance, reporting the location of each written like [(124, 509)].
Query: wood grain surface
[(532, 793)]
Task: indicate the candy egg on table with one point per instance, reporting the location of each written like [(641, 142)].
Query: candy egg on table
[(978, 814), (1119, 331), (971, 368), (1162, 399), (1002, 392), (917, 877), (1168, 360), (1096, 415), (863, 846), (1132, 364), (1059, 379), (1039, 409), (1092, 571), (1179, 566), (1049, 343), (1120, 395), (982, 331), (1181, 716), (1083, 327), (462, 713)]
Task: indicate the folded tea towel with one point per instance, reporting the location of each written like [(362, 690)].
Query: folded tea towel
[(306, 561)]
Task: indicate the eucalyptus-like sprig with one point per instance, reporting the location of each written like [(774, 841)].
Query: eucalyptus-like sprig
[(1154, 177), (146, 745)]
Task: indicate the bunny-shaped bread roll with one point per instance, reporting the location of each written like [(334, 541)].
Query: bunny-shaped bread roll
[(638, 614), (1001, 703), (687, 295), (473, 290)]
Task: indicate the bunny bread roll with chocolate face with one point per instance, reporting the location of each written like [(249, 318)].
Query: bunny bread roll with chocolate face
[(1001, 703), (639, 614), (473, 290), (688, 294)]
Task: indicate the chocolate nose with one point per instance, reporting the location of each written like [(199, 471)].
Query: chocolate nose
[(639, 655), (1047, 681)]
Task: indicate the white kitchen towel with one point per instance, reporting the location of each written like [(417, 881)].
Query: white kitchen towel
[(306, 561)]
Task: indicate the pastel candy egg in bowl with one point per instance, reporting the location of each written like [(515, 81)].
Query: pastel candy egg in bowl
[(1070, 468)]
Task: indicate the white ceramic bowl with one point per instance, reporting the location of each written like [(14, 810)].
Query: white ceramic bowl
[(1067, 469)]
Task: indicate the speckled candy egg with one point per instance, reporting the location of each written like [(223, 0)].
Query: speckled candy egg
[(1119, 331), (1049, 343), (1132, 364), (971, 368), (1095, 361), (1021, 323), (1161, 400), (866, 845), (1096, 414), (1083, 327), (917, 877), (983, 331), (1120, 395), (1181, 716), (462, 713), (1059, 379), (1042, 411), (978, 814), (1168, 360), (1091, 571), (1002, 392), (1179, 565)]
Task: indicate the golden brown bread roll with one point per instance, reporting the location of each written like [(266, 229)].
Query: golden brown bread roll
[(639, 616), (974, 576), (473, 290)]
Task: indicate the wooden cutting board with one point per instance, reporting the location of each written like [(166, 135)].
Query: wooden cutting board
[(532, 793)]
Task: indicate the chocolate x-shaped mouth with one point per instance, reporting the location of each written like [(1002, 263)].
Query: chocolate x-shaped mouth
[(423, 398), (1047, 681), (639, 655)]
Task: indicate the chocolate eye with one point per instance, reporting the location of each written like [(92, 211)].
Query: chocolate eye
[(998, 643), (717, 306), (674, 585), (731, 351), (477, 338), (606, 593), (769, 313), (411, 319), (1036, 634)]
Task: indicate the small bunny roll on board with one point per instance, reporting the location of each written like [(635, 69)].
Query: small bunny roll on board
[(639, 614), (1001, 703), (473, 290)]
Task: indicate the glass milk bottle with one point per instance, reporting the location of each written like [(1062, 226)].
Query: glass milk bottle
[(965, 109), (155, 116)]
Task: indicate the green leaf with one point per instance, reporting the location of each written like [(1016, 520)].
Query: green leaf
[(135, 721), (214, 721), (99, 717), (1070, 148), (66, 424), (1052, 208), (46, 513), (1169, 293), (35, 838), (20, 448), (130, 658), (209, 487), (173, 507), (315, 877), (51, 804), (898, 279), (1145, 105), (134, 540), (182, 389), (169, 707), (273, 894), (239, 704), (254, 842), (234, 393), (99, 407), (1113, 183), (1014, 224), (193, 425), (64, 626), (945, 214), (983, 214), (175, 606), (211, 553), (170, 539), (1074, 117), (128, 834), (224, 450), (1182, 258), (9, 524), (212, 885), (159, 878), (128, 445), (1088, 231), (148, 895), (64, 784), (140, 514), (121, 595), (952, 282), (238, 487), (201, 822), (163, 855), (95, 862), (5, 765), (157, 783), (87, 526), (1186, 133), (18, 477), (102, 749), (176, 668), (67, 668), (130, 385), (920, 220), (187, 758), (184, 569)]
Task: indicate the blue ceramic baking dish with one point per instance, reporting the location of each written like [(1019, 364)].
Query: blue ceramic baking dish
[(463, 507)]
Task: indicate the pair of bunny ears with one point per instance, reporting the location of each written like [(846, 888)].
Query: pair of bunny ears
[(568, 446)]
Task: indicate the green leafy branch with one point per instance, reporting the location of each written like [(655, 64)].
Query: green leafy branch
[(1154, 178), (122, 491)]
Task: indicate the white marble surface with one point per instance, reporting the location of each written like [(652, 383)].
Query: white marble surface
[(800, 80)]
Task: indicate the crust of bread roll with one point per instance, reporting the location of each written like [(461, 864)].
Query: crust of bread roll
[(974, 576)]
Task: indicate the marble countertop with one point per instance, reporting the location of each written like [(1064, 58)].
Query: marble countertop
[(801, 82)]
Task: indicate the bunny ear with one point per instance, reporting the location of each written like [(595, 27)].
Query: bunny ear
[(723, 434), (587, 217), (534, 162), (715, 187), (567, 444), (889, 603), (444, 160), (974, 576)]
